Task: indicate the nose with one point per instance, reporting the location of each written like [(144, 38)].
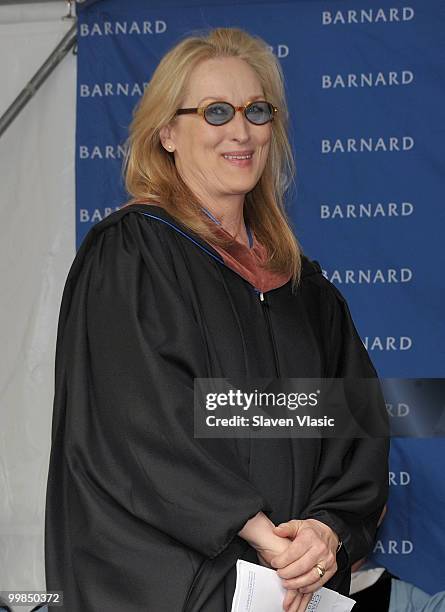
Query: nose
[(239, 126)]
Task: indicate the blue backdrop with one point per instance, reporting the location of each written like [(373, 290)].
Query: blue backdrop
[(366, 92)]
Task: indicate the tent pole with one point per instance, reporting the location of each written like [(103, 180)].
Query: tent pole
[(39, 78)]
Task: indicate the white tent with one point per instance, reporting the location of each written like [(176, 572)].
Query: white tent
[(37, 245)]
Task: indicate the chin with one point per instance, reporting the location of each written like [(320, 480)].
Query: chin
[(242, 184), (241, 190)]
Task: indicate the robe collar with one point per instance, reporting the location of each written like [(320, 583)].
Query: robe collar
[(248, 261)]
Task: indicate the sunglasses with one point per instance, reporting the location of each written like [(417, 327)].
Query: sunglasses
[(219, 113)]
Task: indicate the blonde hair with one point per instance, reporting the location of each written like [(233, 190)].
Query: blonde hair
[(149, 170)]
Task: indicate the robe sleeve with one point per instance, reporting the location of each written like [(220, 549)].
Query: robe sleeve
[(131, 350), (351, 484)]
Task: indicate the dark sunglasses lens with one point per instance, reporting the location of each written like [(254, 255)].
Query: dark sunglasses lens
[(218, 113), (259, 112)]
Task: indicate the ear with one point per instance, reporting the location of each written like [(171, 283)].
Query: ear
[(166, 138)]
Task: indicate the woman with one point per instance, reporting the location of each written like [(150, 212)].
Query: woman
[(200, 276)]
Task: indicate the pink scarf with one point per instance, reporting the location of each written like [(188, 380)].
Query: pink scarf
[(248, 263)]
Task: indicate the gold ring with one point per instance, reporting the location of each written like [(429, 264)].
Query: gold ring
[(321, 570)]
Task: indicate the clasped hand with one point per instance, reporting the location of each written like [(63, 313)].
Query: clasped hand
[(306, 543)]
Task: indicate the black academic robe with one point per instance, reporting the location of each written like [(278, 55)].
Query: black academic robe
[(140, 515)]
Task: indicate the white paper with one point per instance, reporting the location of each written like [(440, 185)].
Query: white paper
[(259, 589)]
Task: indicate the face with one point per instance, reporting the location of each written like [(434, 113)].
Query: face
[(199, 147)]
